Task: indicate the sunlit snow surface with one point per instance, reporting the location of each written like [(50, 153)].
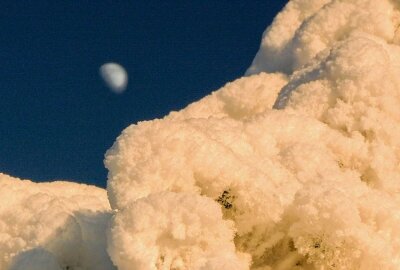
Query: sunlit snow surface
[(294, 167), (52, 225)]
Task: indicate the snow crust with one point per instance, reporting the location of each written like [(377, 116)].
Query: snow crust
[(294, 166)]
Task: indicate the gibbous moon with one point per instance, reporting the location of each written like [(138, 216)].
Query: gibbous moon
[(115, 76)]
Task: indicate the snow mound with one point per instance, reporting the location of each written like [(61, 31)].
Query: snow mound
[(59, 225), (303, 161)]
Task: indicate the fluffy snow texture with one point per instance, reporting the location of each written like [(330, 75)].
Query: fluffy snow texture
[(52, 226), (295, 168), (174, 231)]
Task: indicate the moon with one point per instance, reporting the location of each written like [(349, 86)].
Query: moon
[(115, 76)]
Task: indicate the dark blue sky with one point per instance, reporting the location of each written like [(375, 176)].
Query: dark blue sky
[(57, 118)]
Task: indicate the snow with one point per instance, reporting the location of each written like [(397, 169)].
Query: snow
[(294, 166), (58, 224)]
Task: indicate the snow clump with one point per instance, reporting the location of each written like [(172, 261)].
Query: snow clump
[(58, 225)]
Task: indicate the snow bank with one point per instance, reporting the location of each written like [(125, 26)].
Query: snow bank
[(58, 225), (302, 161)]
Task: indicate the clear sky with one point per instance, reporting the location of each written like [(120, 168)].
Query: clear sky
[(57, 117)]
